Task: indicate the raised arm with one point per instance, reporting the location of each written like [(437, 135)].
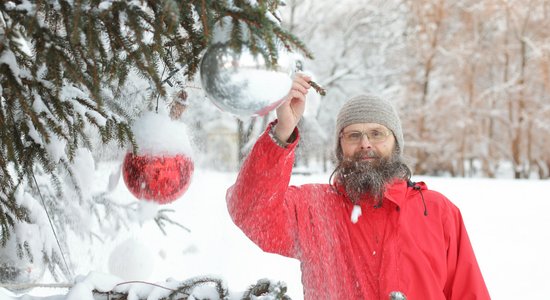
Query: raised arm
[(260, 202)]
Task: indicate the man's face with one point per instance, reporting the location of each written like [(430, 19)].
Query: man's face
[(369, 160), (354, 141)]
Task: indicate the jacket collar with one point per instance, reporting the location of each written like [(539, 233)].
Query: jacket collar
[(396, 191)]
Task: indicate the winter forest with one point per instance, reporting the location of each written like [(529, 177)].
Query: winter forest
[(470, 79)]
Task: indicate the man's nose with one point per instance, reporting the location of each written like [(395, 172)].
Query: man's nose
[(365, 143)]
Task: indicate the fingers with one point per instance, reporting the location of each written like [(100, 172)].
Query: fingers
[(301, 82), (298, 94), (300, 87), (303, 79), (302, 75)]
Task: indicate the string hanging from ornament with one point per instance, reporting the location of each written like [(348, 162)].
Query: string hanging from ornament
[(67, 269), (168, 80)]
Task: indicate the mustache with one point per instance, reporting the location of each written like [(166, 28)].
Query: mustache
[(365, 154), (357, 163)]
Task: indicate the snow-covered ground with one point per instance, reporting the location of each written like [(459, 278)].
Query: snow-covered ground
[(506, 219)]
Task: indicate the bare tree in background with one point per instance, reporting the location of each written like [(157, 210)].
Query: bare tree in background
[(470, 78)]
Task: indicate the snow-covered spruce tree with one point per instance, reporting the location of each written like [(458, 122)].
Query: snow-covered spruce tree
[(63, 67)]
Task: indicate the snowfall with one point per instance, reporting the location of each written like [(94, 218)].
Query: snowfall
[(507, 221)]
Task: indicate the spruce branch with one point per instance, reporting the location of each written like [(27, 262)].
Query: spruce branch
[(265, 287), (182, 290), (161, 219)]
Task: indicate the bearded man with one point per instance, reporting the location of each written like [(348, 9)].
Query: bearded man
[(371, 233)]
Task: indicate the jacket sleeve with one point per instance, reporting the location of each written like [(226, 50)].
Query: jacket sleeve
[(258, 202), (464, 278)]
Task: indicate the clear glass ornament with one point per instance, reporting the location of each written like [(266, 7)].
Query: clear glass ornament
[(242, 83)]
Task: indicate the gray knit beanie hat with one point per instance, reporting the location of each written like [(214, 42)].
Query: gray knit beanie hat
[(368, 109)]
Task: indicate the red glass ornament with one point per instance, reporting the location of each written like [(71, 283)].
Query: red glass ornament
[(162, 179)]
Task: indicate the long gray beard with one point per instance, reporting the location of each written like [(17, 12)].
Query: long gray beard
[(361, 177)]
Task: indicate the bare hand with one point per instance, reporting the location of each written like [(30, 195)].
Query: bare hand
[(290, 112)]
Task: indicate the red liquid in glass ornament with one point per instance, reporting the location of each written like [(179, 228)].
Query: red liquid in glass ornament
[(162, 179)]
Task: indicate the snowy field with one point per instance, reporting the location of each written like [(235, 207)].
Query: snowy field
[(507, 221)]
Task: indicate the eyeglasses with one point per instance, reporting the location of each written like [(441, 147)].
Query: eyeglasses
[(374, 136)]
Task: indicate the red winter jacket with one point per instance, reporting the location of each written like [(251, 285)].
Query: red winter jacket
[(392, 248)]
